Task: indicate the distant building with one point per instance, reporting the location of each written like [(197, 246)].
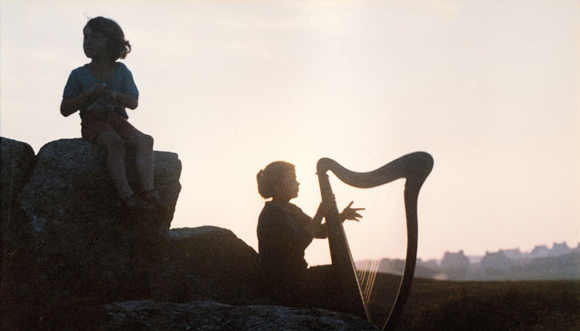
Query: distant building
[(391, 266), (540, 251), (560, 249), (495, 262), (432, 264), (512, 253), (455, 262), (474, 259), (427, 269)]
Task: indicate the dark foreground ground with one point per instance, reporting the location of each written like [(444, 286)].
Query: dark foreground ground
[(510, 305), (432, 305)]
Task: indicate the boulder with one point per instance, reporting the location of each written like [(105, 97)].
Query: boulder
[(74, 242), (215, 264), (206, 315), (70, 183), (146, 315), (17, 160)]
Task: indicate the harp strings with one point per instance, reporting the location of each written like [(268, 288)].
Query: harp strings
[(378, 242)]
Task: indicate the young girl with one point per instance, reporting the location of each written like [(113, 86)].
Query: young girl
[(284, 233), (101, 90)]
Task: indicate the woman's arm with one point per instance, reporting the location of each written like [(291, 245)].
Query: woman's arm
[(318, 230), (315, 228)]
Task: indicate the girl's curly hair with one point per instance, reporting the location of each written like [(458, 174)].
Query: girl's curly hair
[(112, 31)]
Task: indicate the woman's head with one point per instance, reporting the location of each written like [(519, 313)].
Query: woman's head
[(278, 180), (115, 44)]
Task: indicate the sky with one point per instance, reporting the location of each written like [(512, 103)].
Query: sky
[(489, 88)]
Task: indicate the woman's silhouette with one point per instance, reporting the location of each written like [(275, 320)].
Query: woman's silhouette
[(284, 233)]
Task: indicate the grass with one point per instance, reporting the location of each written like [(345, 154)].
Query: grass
[(510, 305)]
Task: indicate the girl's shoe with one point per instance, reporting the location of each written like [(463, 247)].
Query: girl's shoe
[(152, 197), (134, 202)]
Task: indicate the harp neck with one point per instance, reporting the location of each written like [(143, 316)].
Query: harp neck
[(414, 167)]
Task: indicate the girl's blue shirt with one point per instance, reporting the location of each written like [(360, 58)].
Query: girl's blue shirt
[(82, 79)]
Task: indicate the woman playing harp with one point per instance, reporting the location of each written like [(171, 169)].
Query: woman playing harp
[(284, 232)]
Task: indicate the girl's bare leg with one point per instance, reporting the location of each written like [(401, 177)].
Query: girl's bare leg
[(144, 159), (115, 147), (145, 166)]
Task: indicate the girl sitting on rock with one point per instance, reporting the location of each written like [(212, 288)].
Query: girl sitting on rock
[(101, 90)]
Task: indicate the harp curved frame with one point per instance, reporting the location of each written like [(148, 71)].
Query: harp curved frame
[(415, 168)]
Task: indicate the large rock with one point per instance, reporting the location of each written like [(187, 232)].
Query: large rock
[(70, 183), (17, 160), (215, 264), (148, 315), (204, 315), (74, 242)]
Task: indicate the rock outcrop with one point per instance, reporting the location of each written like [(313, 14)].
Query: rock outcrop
[(70, 240), (17, 160), (148, 315), (217, 316), (73, 259), (215, 264)]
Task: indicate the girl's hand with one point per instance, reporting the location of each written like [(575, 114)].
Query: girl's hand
[(350, 213), (113, 94), (97, 91), (123, 100)]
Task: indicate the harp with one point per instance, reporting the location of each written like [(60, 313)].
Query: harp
[(414, 169)]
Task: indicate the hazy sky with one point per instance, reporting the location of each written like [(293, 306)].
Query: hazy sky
[(489, 88)]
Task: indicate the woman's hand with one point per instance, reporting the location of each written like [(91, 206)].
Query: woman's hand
[(327, 203), (350, 213)]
